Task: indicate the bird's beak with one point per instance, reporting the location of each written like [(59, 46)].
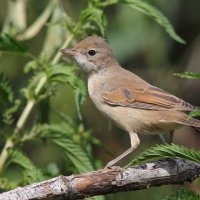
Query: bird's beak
[(70, 52)]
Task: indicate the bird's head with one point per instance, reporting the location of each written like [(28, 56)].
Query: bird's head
[(92, 54)]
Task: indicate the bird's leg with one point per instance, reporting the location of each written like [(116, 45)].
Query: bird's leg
[(120, 157), (171, 136), (162, 138), (134, 144)]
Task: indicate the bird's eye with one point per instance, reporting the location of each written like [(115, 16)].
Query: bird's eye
[(92, 52)]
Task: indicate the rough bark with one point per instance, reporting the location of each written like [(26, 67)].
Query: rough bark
[(116, 179)]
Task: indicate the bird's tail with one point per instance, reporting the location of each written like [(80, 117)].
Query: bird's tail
[(189, 121), (198, 129)]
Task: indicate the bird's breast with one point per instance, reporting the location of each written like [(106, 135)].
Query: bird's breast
[(121, 116), (95, 89)]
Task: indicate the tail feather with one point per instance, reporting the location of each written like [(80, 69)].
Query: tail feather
[(198, 129), (190, 122)]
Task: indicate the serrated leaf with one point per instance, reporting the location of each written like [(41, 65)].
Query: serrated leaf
[(5, 184), (155, 14), (165, 151), (31, 173), (10, 45), (94, 15), (189, 75), (95, 198), (65, 74), (73, 151), (195, 113), (8, 114), (30, 66), (30, 92), (6, 92), (66, 122), (184, 194)]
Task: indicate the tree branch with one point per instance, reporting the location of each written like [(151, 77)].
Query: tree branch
[(116, 179)]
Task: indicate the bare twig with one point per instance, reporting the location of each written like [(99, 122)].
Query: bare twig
[(36, 27), (116, 179)]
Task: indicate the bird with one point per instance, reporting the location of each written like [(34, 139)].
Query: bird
[(130, 102)]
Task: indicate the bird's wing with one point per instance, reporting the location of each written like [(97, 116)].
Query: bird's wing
[(151, 98)]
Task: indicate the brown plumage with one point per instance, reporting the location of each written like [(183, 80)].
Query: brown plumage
[(132, 103)]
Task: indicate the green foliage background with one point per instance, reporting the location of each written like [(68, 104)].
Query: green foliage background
[(48, 126)]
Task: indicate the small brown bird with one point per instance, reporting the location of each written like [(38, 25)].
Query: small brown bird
[(132, 103)]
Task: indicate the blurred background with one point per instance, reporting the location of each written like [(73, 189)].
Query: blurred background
[(141, 46)]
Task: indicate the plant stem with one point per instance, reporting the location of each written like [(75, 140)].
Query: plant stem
[(58, 54), (24, 115), (40, 85), (4, 153), (35, 28), (66, 43), (21, 122), (30, 104)]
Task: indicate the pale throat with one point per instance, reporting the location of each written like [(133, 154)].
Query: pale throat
[(85, 64)]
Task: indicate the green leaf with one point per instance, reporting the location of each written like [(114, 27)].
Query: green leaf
[(195, 113), (189, 75), (185, 194), (155, 14), (107, 3), (29, 92), (65, 74), (6, 92), (31, 173), (165, 151), (8, 114), (73, 151), (52, 169), (66, 122), (96, 16), (5, 184), (95, 198), (31, 66), (10, 45)]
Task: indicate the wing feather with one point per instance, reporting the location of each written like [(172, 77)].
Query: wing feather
[(151, 98)]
